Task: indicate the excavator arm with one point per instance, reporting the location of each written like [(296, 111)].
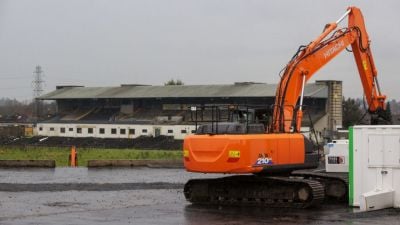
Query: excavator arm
[(309, 59)]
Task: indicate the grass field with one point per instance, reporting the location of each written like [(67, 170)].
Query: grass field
[(84, 154)]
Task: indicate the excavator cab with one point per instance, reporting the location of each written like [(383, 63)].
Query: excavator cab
[(229, 119)]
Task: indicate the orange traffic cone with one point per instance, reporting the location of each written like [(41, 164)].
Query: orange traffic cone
[(73, 157)]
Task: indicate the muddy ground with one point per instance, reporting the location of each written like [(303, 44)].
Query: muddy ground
[(142, 196)]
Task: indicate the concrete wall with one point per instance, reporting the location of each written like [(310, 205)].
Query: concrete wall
[(320, 126), (334, 109)]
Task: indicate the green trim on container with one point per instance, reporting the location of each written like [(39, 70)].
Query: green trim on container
[(351, 168)]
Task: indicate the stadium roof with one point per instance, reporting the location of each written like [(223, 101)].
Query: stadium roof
[(246, 89)]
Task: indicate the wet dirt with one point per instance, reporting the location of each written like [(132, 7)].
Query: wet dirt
[(141, 203)]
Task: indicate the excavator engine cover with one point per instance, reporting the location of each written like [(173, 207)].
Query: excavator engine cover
[(248, 153)]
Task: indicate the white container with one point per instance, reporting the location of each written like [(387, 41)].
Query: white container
[(374, 169), (337, 156)]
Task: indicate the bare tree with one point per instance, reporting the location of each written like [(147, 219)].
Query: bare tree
[(173, 82)]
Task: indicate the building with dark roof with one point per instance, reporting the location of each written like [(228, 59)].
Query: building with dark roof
[(129, 111), (237, 90)]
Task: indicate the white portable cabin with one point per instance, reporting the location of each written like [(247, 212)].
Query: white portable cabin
[(374, 169)]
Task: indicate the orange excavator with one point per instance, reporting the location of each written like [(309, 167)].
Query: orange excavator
[(263, 163)]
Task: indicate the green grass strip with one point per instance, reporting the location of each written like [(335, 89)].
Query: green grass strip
[(60, 155)]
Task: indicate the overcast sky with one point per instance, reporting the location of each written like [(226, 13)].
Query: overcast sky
[(113, 42)]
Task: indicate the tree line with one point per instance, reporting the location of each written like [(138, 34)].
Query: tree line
[(355, 112), (13, 110)]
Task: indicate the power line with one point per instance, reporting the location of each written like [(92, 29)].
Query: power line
[(13, 78), (37, 84), (12, 88)]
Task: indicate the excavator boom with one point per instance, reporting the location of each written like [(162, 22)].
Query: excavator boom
[(317, 54)]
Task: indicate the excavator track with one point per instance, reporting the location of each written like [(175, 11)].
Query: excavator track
[(281, 192), (336, 184)]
